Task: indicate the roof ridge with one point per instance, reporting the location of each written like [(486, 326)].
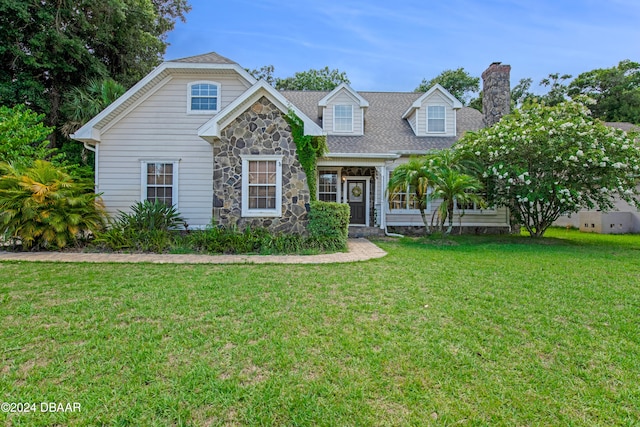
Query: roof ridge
[(209, 57)]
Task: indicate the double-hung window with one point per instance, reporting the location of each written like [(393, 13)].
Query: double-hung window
[(473, 207), (262, 186), (343, 118), (435, 118), (328, 187), (405, 200), (203, 97), (159, 181)]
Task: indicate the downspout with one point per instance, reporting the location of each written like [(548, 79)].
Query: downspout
[(383, 207), (95, 164)]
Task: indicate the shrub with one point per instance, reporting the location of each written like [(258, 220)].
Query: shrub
[(220, 240), (150, 227), (153, 216), (329, 222), (42, 206), (23, 136)]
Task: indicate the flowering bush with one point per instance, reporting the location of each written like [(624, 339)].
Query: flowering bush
[(543, 162)]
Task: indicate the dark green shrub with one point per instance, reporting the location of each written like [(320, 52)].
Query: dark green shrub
[(329, 224), (42, 206), (220, 240), (154, 216), (150, 227)]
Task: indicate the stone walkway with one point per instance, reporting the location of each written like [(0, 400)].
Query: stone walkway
[(359, 250)]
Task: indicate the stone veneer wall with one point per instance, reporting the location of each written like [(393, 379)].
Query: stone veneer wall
[(260, 130), (496, 93)]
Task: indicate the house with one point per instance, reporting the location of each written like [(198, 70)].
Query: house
[(203, 134)]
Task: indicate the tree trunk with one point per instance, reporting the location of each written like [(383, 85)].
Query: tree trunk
[(425, 220)]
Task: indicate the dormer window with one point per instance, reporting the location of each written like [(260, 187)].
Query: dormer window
[(343, 118), (203, 97), (435, 119)]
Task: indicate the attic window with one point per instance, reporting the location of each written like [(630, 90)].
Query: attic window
[(343, 118), (203, 97), (435, 118)]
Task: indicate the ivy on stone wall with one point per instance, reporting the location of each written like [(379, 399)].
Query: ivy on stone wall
[(308, 148)]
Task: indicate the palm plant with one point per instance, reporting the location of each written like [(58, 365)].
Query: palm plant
[(451, 185), (415, 175), (84, 103), (43, 206)]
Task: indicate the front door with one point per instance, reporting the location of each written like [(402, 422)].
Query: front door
[(356, 198)]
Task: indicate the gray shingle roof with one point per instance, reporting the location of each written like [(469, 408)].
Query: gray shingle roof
[(206, 58), (385, 129)]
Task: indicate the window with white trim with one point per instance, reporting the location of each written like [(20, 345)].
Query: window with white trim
[(474, 207), (435, 118), (159, 182), (405, 200), (343, 118), (261, 185), (328, 185), (203, 97)]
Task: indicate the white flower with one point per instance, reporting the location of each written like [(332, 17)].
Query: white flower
[(573, 158), (579, 153), (528, 182), (477, 153)]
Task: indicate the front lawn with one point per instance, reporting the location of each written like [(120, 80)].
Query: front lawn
[(479, 331)]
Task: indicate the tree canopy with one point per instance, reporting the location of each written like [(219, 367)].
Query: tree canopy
[(322, 79), (50, 47), (545, 161), (23, 136), (458, 82), (616, 91)]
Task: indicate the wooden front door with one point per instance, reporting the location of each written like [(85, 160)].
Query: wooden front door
[(357, 200)]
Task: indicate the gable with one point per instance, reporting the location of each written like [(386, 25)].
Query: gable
[(152, 83), (342, 111), (434, 113), (212, 130)]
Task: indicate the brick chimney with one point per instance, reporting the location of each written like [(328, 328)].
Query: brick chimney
[(496, 93)]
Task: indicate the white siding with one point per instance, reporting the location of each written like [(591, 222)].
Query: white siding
[(343, 98), (412, 121), (436, 98), (497, 218), (159, 128)]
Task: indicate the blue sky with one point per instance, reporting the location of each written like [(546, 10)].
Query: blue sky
[(392, 46)]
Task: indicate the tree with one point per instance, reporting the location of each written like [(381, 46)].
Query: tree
[(450, 182), (23, 136), (558, 89), (49, 47), (458, 82), (616, 91), (263, 73), (81, 104), (42, 206), (323, 79), (413, 177), (520, 93), (545, 161)]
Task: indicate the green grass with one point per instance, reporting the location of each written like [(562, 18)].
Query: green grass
[(478, 331)]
